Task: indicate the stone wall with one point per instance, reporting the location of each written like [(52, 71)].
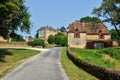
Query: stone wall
[(77, 42), (13, 44), (95, 70)]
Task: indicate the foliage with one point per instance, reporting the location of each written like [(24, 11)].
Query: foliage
[(16, 37), (51, 39), (88, 19), (114, 35), (37, 42), (61, 39), (113, 52), (110, 11), (63, 29), (108, 57), (73, 72), (16, 16), (10, 58)]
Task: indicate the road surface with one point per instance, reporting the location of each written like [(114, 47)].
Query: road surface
[(44, 66)]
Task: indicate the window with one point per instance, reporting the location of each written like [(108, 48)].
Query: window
[(76, 35), (101, 36)]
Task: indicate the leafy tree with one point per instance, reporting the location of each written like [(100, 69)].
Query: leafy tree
[(63, 29), (14, 16), (61, 39), (90, 19), (51, 39), (114, 35), (110, 11), (16, 37)]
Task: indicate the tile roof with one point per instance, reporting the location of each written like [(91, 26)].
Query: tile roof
[(89, 28)]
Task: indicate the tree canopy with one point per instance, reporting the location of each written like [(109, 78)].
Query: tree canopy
[(90, 19), (110, 11), (59, 39), (14, 15), (63, 29)]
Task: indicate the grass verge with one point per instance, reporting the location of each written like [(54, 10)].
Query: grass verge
[(107, 57), (73, 72), (10, 58)]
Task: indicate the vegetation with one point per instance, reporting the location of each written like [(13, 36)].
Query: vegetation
[(72, 70), (110, 11), (59, 39), (16, 37), (108, 57), (63, 29), (37, 42), (16, 16), (114, 35), (51, 39), (10, 58), (88, 19)]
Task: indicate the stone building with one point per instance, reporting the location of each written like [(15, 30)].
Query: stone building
[(88, 35), (45, 31)]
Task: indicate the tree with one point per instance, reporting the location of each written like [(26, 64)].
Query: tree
[(14, 16), (51, 39), (63, 29), (61, 39), (114, 35), (16, 37), (110, 11), (89, 19)]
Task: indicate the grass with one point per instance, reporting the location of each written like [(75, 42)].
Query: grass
[(10, 58), (100, 57), (73, 72)]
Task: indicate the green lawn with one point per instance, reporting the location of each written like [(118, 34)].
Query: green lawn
[(10, 58), (107, 57), (72, 71)]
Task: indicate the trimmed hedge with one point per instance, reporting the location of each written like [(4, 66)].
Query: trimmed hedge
[(37, 42), (97, 71)]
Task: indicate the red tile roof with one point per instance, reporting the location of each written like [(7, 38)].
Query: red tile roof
[(89, 28)]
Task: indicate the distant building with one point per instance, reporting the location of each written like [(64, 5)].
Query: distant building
[(45, 31), (88, 35)]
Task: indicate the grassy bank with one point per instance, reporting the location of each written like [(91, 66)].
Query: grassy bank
[(73, 72), (10, 58), (107, 57)]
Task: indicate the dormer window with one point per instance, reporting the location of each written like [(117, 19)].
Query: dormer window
[(76, 34), (101, 36)]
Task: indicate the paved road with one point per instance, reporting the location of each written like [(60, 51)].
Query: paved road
[(44, 66)]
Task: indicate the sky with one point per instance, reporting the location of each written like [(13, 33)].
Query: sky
[(57, 13)]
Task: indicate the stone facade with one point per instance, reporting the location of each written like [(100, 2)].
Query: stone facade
[(96, 33), (44, 32)]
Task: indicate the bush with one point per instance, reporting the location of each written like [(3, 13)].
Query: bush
[(51, 39), (37, 42)]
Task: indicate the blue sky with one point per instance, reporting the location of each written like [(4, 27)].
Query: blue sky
[(57, 13)]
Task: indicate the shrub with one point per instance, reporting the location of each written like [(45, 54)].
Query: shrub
[(37, 42), (51, 39)]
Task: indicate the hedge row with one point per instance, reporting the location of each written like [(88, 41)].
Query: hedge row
[(97, 71)]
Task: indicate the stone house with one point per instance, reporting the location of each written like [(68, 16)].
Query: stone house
[(88, 35), (45, 31)]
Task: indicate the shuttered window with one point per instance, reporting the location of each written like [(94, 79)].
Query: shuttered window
[(76, 35)]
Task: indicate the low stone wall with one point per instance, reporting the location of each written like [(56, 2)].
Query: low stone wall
[(97, 71), (13, 44)]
